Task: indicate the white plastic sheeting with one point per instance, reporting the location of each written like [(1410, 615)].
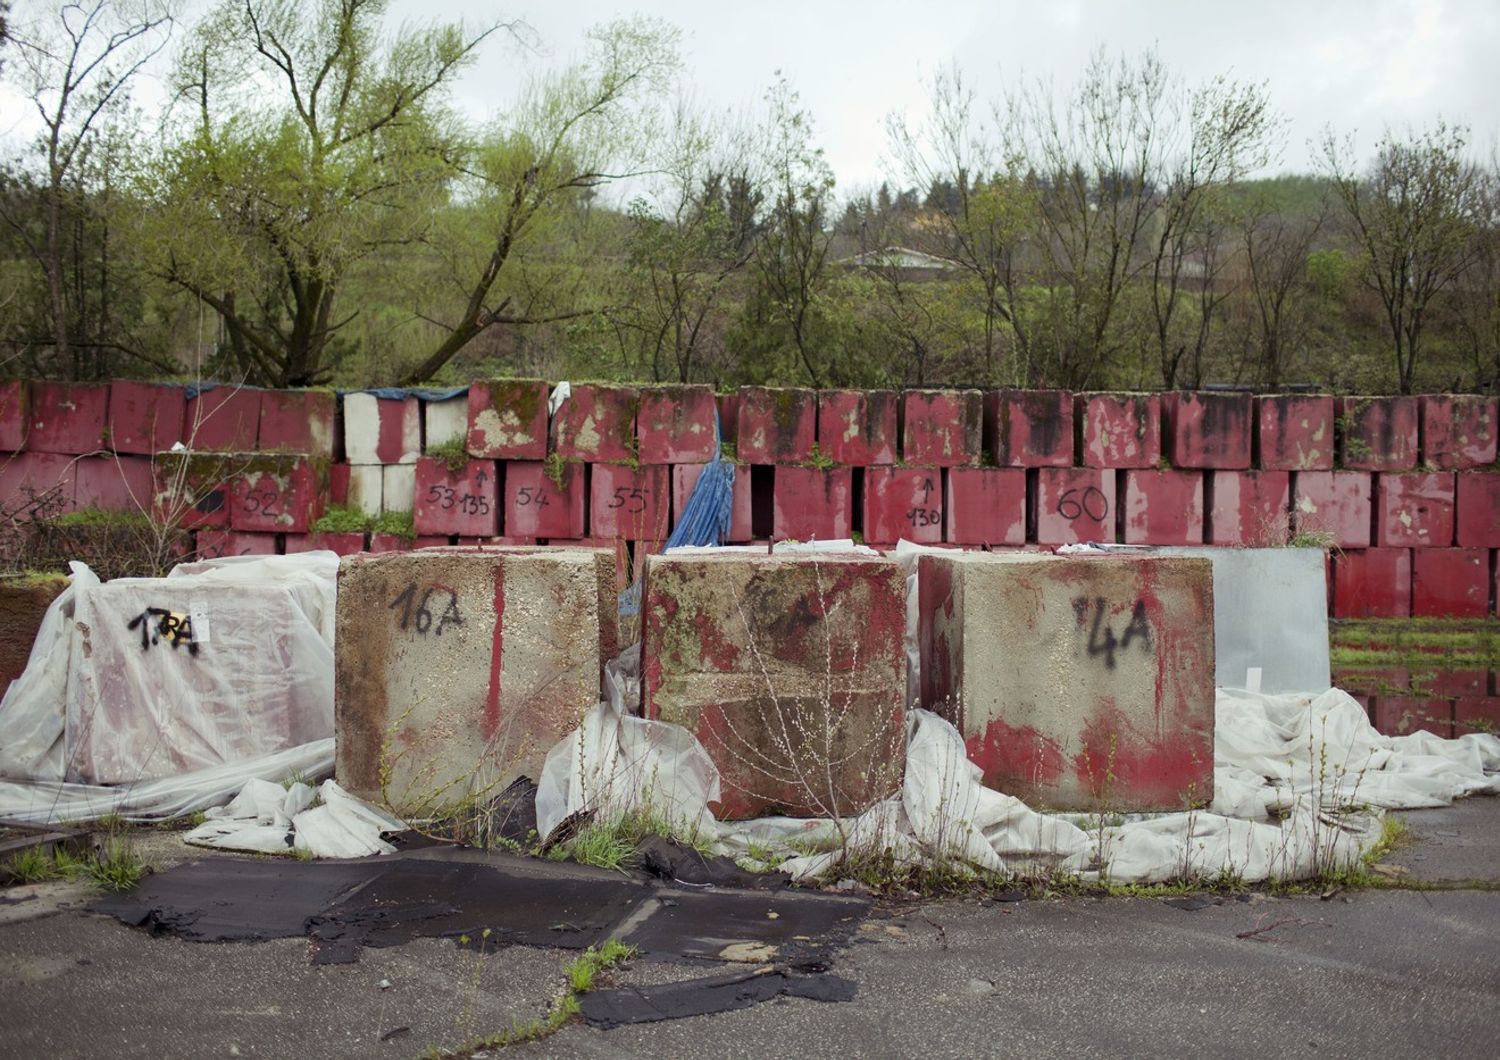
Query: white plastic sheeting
[(272, 819)]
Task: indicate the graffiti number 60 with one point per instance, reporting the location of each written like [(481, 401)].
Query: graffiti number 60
[(1092, 503)]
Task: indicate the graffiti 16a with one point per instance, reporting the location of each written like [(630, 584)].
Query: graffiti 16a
[(1102, 640), (417, 611), (1089, 502), (158, 624)]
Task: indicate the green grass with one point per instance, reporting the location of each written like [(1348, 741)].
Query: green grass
[(1433, 643), (611, 844), (93, 517), (341, 519), (398, 523), (453, 453), (115, 867)]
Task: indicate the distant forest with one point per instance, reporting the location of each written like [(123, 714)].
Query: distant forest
[(311, 210)]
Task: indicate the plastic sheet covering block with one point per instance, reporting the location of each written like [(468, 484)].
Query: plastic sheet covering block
[(1450, 582), (1414, 510), (1078, 682), (942, 428), (543, 504), (145, 418), (1074, 504), (1207, 430), (596, 423), (634, 503), (273, 494), (1164, 507), (23, 602), (222, 419), (811, 503), (1334, 505), (675, 425), (1372, 583), (985, 506), (1294, 432), (1378, 434), (685, 477), (68, 417), (381, 430), (858, 427), (458, 669), (1119, 430), (508, 419), (776, 425), (903, 502), (1478, 509), (764, 657), (15, 418), (1459, 430), (1250, 508), (298, 421), (1029, 428)]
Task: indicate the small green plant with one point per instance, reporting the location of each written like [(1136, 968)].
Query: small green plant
[(97, 517), (555, 467), (727, 451), (341, 519), (1311, 538), (453, 453), (400, 524), (819, 459)]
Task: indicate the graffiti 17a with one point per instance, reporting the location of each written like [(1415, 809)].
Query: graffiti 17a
[(1102, 640), (416, 614), (157, 624)]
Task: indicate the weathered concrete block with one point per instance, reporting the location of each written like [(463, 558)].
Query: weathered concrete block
[(457, 670), (986, 506), (1294, 432), (68, 417), (790, 669), (1478, 515), (366, 487), (398, 487), (1335, 503), (145, 418), (381, 430), (675, 425), (776, 425), (1078, 683), (222, 419), (298, 421), (115, 484), (543, 502), (216, 544), (1206, 429), (463, 501), (942, 428), (1378, 434), (1415, 510), (1029, 428), (685, 478), (1074, 504), (903, 502), (1163, 507), (858, 427), (15, 417), (1372, 583), (811, 503), (630, 502), (1459, 430), (1450, 582), (1119, 430), (275, 494), (1250, 508), (445, 422), (508, 419), (597, 423), (192, 488)]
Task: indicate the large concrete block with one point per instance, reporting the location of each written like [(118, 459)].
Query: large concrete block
[(630, 502), (675, 424), (986, 506), (1478, 514), (445, 422), (1333, 503), (222, 419), (508, 419), (1372, 583), (15, 418), (1079, 683), (381, 430), (596, 423), (1074, 504), (858, 427), (457, 670), (1458, 430), (1119, 430), (1206, 429), (942, 428), (1414, 510), (298, 421), (1377, 434), (813, 503), (1163, 507), (1250, 508), (791, 670), (1294, 432), (903, 502), (775, 425), (145, 418), (685, 479), (1029, 428), (68, 417)]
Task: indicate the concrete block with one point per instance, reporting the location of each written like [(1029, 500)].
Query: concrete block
[(1458, 430), (1372, 583), (675, 425), (634, 503), (366, 487), (1208, 430), (858, 427), (398, 487), (1163, 507), (1404, 715), (597, 423), (1450, 582), (1455, 683), (28, 477), (1414, 510), (903, 502), (465, 501), (1074, 504), (272, 494), (1335, 503), (338, 484), (1477, 502), (1476, 714), (445, 422), (811, 503), (539, 506), (222, 419), (192, 489), (68, 417), (1250, 508), (381, 430), (942, 428), (409, 698), (1119, 430), (985, 506), (1377, 434), (145, 418), (787, 668), (115, 484), (1079, 683), (508, 419), (15, 414), (685, 478), (1294, 432), (216, 544), (1029, 428), (776, 425), (345, 543), (391, 543), (298, 421)]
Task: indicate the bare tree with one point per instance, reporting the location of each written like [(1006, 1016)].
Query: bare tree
[(1276, 246)]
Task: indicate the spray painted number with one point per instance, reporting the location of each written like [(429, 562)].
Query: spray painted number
[(1092, 503), (531, 495), (262, 500), (1102, 639), (631, 495), (446, 497), (419, 617), (924, 517)]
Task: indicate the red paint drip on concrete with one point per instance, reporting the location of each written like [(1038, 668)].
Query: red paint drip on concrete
[(492, 702), (1015, 755)]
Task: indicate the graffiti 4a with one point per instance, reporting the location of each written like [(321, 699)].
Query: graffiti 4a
[(157, 624), (1102, 640), (415, 614)]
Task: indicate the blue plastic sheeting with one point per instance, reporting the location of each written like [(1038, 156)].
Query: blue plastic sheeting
[(396, 393), (192, 390)]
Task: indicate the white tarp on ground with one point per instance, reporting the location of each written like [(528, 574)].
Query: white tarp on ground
[(273, 819)]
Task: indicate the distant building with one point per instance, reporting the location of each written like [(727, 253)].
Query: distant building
[(913, 263)]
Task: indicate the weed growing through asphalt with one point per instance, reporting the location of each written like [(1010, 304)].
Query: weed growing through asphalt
[(114, 866)]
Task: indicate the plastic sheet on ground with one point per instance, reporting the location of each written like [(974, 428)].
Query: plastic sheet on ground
[(271, 819)]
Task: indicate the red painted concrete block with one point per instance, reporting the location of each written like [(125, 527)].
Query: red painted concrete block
[(685, 477), (214, 544), (596, 423), (115, 484), (858, 427), (1451, 582), (1294, 432), (1029, 428), (986, 506), (1378, 434), (192, 489), (776, 425), (675, 425), (381, 430), (1372, 583), (1074, 504), (508, 419), (1336, 503), (298, 421), (1476, 714), (466, 501), (1163, 508), (1206, 429), (811, 503), (68, 417), (729, 415), (1477, 498), (1415, 510), (1458, 430), (392, 543), (222, 419), (1119, 430), (37, 477), (536, 506), (15, 414), (942, 428), (1453, 683), (634, 503), (345, 544), (1404, 715), (145, 418), (338, 483), (903, 502), (288, 496), (1250, 508)]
